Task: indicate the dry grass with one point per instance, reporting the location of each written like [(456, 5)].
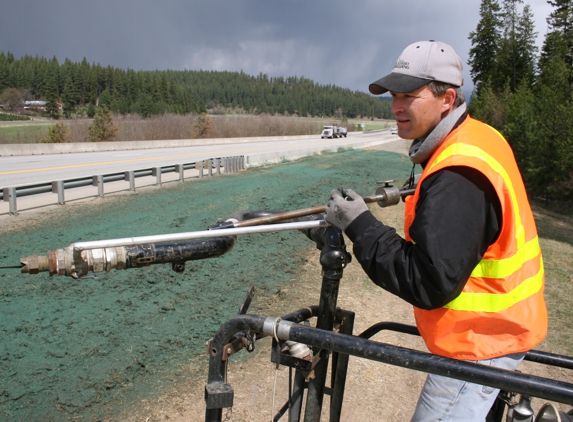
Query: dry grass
[(173, 126), (264, 125), (556, 239)]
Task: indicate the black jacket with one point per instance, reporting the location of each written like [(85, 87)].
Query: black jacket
[(458, 216)]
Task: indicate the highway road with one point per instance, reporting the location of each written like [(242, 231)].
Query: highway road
[(25, 170), (32, 169)]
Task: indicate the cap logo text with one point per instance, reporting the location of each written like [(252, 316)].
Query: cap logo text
[(402, 64)]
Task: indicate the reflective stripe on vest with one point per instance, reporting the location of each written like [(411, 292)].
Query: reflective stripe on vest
[(491, 268), (475, 152), (497, 302), (501, 309)]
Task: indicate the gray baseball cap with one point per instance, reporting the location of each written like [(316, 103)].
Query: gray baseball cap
[(419, 64)]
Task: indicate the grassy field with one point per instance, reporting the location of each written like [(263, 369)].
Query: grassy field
[(133, 128), (373, 126), (21, 132)]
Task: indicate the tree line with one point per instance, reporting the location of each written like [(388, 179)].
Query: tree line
[(82, 86), (527, 94)]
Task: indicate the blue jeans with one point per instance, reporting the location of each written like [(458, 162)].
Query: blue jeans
[(448, 399)]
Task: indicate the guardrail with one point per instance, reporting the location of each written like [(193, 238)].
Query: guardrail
[(210, 166)]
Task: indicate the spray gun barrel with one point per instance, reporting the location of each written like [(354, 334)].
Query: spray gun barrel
[(81, 258), (76, 263), (385, 196)]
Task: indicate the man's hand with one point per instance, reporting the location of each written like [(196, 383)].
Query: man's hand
[(343, 207)]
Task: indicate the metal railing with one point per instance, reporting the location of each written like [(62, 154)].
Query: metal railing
[(209, 167)]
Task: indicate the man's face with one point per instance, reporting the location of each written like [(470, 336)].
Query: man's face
[(418, 112)]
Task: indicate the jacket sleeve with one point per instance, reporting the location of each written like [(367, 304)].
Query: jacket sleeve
[(458, 216)]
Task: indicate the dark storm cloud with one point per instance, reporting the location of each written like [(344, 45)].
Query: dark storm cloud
[(345, 43)]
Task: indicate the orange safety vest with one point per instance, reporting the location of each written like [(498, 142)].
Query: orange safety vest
[(501, 309)]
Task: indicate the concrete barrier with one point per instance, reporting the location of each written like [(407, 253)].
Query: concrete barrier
[(68, 148), (257, 160)]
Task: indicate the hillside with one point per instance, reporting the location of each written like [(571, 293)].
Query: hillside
[(126, 91)]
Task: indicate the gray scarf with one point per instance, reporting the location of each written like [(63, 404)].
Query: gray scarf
[(420, 150)]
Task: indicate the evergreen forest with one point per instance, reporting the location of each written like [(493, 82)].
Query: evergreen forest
[(527, 94), (79, 85), (523, 91)]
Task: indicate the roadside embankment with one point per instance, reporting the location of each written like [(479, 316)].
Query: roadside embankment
[(90, 348)]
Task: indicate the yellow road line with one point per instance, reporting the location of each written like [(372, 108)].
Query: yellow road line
[(101, 163), (104, 163)]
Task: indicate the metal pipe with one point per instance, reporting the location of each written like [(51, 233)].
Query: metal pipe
[(550, 359), (517, 382), (386, 195), (81, 258), (334, 259), (205, 234), (218, 394), (340, 368), (392, 326), (297, 395), (537, 356), (76, 264), (382, 195), (110, 254)]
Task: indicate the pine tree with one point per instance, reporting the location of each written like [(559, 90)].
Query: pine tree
[(84, 79), (71, 94), (517, 50), (57, 134), (489, 106), (3, 71), (553, 46), (91, 111), (202, 106), (554, 131), (527, 48), (521, 125), (482, 55), (145, 105), (561, 19), (52, 109), (105, 99), (202, 126), (102, 129)]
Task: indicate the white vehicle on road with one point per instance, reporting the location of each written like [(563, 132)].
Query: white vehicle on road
[(333, 132)]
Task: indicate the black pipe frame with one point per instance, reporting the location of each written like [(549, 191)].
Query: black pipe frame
[(333, 258), (394, 355), (342, 344)]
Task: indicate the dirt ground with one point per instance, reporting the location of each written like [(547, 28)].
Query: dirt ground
[(119, 349), (374, 391), (98, 348)]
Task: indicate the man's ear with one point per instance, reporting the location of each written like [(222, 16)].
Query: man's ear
[(449, 100)]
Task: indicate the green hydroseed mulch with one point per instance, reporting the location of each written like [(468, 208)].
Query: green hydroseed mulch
[(86, 349)]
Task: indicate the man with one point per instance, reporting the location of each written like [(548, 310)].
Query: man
[(470, 262)]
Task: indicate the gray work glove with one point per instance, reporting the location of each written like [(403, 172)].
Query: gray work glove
[(343, 207)]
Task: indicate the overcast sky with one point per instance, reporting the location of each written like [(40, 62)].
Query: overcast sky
[(341, 42)]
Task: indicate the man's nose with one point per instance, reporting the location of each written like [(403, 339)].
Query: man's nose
[(397, 106)]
